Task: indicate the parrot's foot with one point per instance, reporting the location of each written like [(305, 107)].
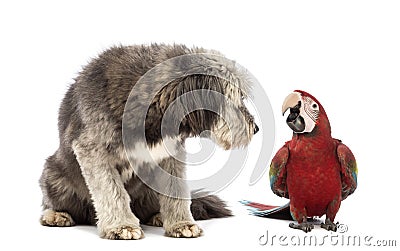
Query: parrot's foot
[(305, 226), (329, 225)]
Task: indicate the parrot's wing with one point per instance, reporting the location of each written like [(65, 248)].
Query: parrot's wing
[(277, 172), (348, 170)]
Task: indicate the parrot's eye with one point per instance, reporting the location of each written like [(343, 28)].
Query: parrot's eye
[(315, 106)]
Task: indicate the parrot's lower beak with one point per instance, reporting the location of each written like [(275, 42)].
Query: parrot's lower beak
[(295, 121)]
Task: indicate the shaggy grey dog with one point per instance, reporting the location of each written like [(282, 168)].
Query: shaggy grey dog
[(90, 179)]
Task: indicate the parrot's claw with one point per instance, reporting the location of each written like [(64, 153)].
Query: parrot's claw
[(305, 226), (329, 225)]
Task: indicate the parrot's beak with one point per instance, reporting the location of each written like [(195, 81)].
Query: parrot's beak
[(291, 101), (295, 121)]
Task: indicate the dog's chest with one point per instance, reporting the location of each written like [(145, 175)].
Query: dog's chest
[(143, 153)]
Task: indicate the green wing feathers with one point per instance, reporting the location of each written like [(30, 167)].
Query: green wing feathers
[(277, 172), (348, 170)]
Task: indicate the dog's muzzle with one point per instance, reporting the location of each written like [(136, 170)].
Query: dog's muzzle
[(256, 129)]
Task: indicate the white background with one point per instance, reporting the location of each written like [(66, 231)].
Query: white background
[(346, 53)]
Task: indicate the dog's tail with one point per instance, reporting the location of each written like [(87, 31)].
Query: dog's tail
[(208, 206)]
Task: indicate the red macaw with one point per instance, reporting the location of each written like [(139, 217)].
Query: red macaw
[(313, 170)]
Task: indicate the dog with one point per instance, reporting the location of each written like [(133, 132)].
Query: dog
[(90, 179)]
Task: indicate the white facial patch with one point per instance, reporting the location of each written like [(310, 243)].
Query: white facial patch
[(309, 110), (164, 149)]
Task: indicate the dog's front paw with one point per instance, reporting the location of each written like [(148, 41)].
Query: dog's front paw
[(124, 233), (184, 229)]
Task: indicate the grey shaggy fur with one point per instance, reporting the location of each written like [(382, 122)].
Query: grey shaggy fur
[(89, 180)]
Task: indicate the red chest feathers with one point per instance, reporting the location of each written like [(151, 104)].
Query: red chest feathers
[(313, 176)]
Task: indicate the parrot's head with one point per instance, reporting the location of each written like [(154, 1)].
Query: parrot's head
[(306, 113)]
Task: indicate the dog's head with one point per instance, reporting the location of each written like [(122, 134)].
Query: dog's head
[(205, 106)]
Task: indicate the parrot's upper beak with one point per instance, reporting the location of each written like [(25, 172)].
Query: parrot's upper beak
[(291, 101), (295, 121)]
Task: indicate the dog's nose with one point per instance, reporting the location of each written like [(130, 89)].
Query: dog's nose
[(256, 129)]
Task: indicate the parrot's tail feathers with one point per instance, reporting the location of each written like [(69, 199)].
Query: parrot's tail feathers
[(256, 205), (274, 212)]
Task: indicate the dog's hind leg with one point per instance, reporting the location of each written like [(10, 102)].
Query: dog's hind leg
[(66, 199), (155, 220), (56, 219)]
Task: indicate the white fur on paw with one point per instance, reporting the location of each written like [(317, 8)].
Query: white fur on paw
[(155, 220), (56, 219), (125, 233), (185, 229)]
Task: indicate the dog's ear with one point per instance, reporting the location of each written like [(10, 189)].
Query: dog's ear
[(200, 98), (187, 106)]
